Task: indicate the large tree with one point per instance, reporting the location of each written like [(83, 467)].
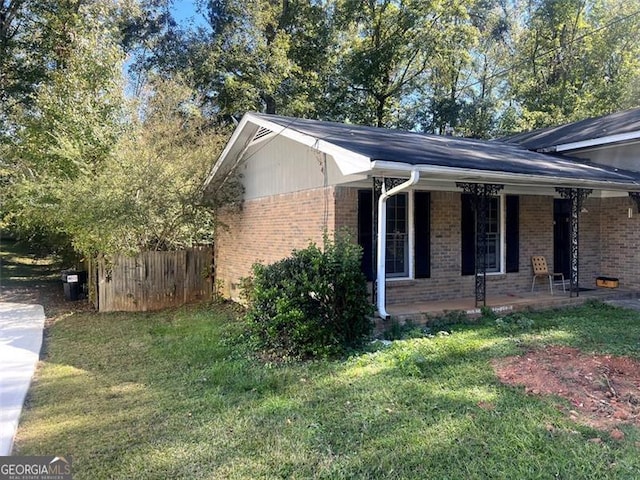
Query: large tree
[(576, 58), (148, 195), (22, 64), (474, 67), (74, 116), (264, 55), (391, 48)]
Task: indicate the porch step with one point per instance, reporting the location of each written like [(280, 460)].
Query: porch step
[(425, 313)]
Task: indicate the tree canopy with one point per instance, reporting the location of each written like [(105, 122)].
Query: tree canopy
[(112, 111)]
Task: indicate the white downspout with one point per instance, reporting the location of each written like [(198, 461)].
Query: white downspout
[(382, 241)]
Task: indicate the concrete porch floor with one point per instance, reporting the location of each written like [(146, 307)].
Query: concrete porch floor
[(420, 312)]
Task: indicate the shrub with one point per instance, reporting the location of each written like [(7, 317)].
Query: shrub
[(398, 331), (514, 323), (487, 313), (313, 303)]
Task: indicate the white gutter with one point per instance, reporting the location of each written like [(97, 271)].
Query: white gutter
[(593, 142), (489, 176), (382, 241)]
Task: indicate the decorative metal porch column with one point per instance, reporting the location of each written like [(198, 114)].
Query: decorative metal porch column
[(635, 196), (480, 195), (576, 196), (380, 184)]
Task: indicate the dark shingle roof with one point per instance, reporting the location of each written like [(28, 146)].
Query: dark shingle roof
[(454, 152), (589, 129)]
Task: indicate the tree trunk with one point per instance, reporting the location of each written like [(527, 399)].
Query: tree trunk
[(380, 104), (270, 103)]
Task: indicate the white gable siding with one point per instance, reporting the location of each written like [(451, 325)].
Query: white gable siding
[(280, 165), (617, 156)]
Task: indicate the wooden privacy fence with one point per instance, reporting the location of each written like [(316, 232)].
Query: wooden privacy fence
[(152, 280)]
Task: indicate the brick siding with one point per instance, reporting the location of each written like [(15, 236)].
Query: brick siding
[(620, 242), (268, 229), (589, 255), (446, 282)]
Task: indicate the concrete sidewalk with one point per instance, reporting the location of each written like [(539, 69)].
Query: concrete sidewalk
[(20, 342)]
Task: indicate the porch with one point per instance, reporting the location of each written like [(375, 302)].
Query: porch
[(421, 312)]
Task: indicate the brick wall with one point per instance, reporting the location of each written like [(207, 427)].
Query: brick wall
[(620, 242), (268, 229), (346, 210), (446, 282), (536, 238), (590, 242)]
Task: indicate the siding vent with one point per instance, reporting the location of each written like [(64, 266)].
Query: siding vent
[(261, 134)]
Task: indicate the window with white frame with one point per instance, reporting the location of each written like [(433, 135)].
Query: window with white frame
[(408, 234), (397, 251), (495, 236), (494, 243)]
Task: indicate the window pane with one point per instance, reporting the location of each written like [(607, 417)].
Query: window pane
[(493, 236), (397, 264), (493, 223)]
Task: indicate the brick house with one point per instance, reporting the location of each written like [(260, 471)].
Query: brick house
[(454, 217)]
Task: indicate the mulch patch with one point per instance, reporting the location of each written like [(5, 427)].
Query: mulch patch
[(603, 390)]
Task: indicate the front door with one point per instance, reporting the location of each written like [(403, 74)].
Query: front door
[(561, 236)]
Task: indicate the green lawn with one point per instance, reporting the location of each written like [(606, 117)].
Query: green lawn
[(178, 395)]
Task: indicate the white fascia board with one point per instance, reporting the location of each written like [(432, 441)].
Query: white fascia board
[(470, 175), (348, 161), (593, 142), (227, 149), (613, 194)]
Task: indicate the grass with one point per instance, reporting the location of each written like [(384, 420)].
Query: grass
[(178, 394)]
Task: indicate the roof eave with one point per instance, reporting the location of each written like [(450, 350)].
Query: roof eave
[(232, 144), (492, 176), (348, 162), (593, 142)]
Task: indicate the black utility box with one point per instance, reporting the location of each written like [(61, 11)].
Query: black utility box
[(74, 282)]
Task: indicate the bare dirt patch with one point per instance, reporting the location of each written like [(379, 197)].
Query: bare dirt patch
[(603, 390)]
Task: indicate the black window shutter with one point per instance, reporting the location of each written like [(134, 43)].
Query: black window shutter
[(468, 236), (365, 231), (512, 233), (422, 223)]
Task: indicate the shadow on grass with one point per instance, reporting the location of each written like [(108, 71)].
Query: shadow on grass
[(177, 394), (19, 267)]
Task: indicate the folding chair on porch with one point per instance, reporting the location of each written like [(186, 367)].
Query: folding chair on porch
[(540, 269)]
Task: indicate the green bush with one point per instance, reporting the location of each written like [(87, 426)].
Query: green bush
[(514, 323), (313, 303)]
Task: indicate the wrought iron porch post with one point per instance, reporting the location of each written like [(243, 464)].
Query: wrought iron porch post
[(480, 195), (576, 196)]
